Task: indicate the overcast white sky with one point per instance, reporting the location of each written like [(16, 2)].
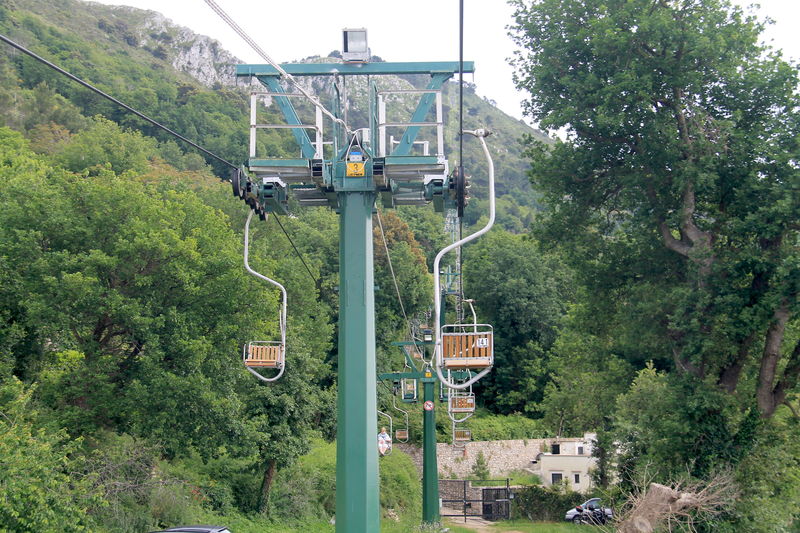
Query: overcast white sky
[(408, 30)]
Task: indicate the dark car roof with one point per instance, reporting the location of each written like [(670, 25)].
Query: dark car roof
[(195, 529)]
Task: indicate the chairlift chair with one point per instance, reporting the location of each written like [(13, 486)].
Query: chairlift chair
[(258, 355), (461, 436), (408, 389), (401, 435), (263, 354), (464, 346), (461, 402), (384, 447), (467, 346)]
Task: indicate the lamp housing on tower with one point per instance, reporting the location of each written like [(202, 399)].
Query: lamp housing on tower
[(354, 46)]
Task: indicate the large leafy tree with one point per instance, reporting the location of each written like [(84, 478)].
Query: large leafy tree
[(677, 186), (523, 292)]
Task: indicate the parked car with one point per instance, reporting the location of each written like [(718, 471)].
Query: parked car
[(590, 511), (196, 529)]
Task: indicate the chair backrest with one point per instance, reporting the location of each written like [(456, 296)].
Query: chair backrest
[(263, 354), (462, 435), (462, 404)]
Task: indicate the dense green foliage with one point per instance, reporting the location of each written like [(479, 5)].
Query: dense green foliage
[(539, 503), (675, 198), (42, 490), (655, 302), (124, 304)]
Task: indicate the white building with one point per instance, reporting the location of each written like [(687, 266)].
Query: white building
[(566, 460)]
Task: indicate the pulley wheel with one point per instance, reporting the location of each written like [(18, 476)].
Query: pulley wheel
[(461, 191), (236, 183)]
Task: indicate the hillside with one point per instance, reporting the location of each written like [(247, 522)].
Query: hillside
[(161, 68), (124, 307)]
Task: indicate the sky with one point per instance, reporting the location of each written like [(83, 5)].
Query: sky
[(411, 30)]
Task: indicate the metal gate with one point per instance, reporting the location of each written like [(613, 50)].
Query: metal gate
[(488, 499), (496, 503)]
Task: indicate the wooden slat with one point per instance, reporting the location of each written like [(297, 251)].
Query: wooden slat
[(265, 355), (468, 362), (461, 350)]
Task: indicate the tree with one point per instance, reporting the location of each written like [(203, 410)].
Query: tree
[(43, 488), (585, 381), (678, 185), (523, 292)]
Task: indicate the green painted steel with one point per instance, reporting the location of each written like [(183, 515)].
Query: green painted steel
[(281, 163), (411, 160), (430, 469), (357, 488), (357, 499), (423, 107), (329, 69), (300, 135)]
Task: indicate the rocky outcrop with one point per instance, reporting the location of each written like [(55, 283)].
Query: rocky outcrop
[(199, 56)]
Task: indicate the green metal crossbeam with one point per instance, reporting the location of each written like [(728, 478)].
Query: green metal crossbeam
[(423, 107), (350, 69), (300, 135)]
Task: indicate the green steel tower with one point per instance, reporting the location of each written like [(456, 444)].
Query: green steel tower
[(349, 173)]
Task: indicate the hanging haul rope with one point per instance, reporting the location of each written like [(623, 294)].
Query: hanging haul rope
[(121, 104), (235, 27), (265, 354), (464, 346), (391, 271)]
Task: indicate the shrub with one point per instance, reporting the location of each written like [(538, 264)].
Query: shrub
[(540, 503), (480, 470), (505, 427), (40, 490)]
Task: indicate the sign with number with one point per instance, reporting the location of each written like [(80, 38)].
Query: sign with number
[(428, 406), (355, 170)]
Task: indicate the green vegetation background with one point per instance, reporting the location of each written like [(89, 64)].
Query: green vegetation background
[(123, 307)]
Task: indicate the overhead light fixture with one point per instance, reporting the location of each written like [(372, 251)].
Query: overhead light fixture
[(354, 47)]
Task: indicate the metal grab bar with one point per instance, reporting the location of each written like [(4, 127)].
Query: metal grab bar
[(282, 319), (481, 135)]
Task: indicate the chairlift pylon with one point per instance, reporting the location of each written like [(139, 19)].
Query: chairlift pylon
[(265, 354), (464, 346)]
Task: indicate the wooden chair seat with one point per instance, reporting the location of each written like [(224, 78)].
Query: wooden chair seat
[(263, 355), (401, 434), (467, 362)]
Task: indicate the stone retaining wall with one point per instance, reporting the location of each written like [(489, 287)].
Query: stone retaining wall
[(502, 456)]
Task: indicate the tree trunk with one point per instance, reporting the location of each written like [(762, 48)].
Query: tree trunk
[(266, 485), (729, 378), (765, 394)]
